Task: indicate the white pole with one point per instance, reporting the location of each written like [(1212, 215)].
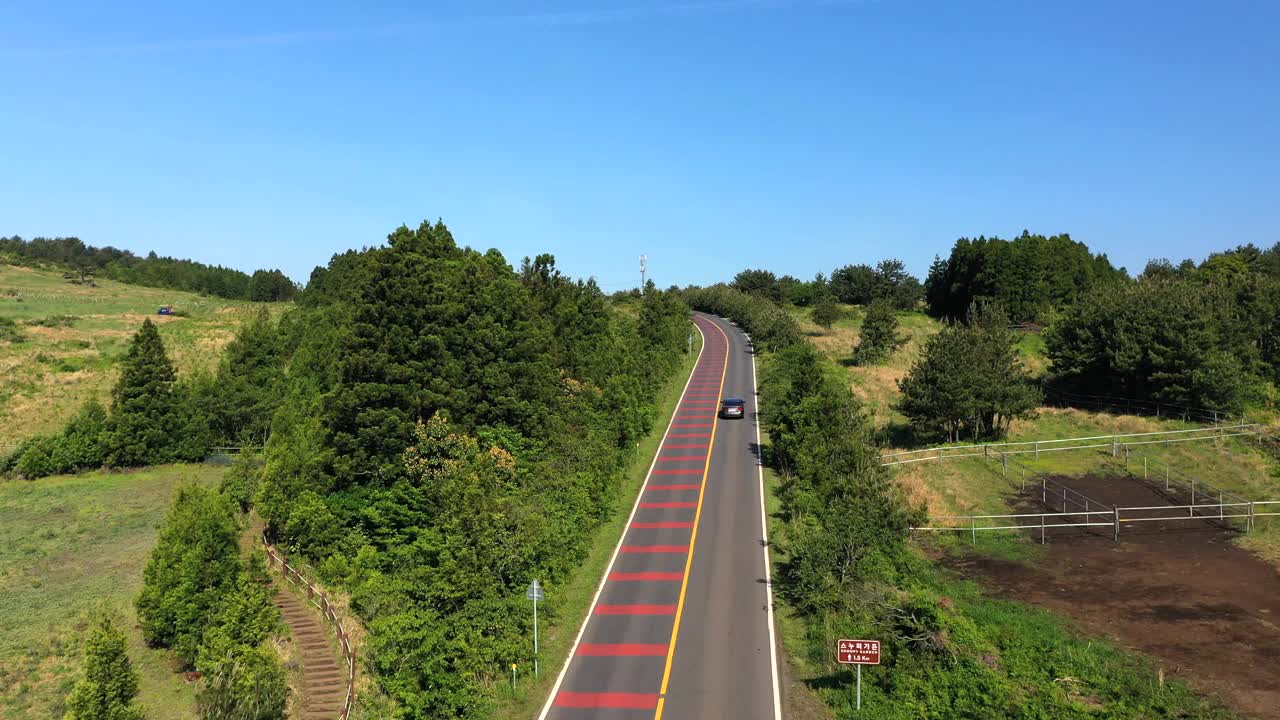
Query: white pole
[(859, 686), (535, 636)]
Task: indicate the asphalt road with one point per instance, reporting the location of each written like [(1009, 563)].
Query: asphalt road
[(681, 628)]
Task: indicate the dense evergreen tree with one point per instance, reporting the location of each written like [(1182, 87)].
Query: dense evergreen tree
[(434, 327), (879, 335), (145, 414), (762, 283), (195, 563), (247, 388), (969, 382), (110, 683), (271, 286), (888, 280), (1031, 276), (1202, 341), (854, 284)]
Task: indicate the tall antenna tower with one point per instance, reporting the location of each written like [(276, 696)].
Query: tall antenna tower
[(643, 266)]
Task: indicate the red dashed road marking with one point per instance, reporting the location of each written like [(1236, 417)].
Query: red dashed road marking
[(665, 505), (646, 576), (635, 609), (624, 649), (660, 525), (684, 486), (628, 701), (655, 548)]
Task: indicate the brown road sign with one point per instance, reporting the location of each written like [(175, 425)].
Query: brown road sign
[(859, 652)]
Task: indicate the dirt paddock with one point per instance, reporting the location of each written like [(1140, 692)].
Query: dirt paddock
[(1179, 591)]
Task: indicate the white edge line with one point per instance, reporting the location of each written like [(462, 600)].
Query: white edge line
[(555, 689), (764, 531)]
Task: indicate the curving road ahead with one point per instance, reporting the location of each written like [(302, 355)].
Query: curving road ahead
[(682, 625)]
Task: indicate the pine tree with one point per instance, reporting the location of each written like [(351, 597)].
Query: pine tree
[(879, 335), (969, 380), (144, 413), (110, 683)]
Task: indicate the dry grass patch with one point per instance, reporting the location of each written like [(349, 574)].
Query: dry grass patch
[(44, 380)]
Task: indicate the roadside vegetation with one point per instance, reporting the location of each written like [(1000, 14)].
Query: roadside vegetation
[(846, 567)]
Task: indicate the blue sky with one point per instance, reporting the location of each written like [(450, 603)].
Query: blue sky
[(710, 135)]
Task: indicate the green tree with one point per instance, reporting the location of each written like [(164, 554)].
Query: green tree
[(826, 313), (1202, 341), (854, 284), (879, 335), (144, 412), (195, 563), (434, 327), (110, 683), (759, 282), (969, 380), (249, 384), (1030, 276)]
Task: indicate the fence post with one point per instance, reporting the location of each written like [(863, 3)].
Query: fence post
[(1041, 528), (973, 526), (1126, 456), (1004, 460), (1116, 513), (1166, 478), (1249, 524), (1114, 449), (1219, 505), (1191, 511), (1157, 410), (1144, 467), (1037, 449), (1044, 492)]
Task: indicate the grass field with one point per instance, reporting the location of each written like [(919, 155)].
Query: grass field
[(73, 336), (877, 386), (68, 547)]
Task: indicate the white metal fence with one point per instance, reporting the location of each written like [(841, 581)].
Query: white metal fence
[(1068, 508), (1036, 447)]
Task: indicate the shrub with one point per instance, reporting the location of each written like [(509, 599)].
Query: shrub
[(247, 683), (826, 313), (110, 683)]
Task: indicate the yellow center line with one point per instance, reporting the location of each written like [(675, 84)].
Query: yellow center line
[(693, 539)]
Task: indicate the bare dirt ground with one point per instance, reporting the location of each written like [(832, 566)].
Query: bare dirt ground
[(1179, 591)]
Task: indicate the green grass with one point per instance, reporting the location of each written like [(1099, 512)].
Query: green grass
[(69, 546), (74, 335), (574, 598)]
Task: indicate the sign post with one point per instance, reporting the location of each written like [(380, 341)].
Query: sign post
[(535, 594), (859, 653)]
